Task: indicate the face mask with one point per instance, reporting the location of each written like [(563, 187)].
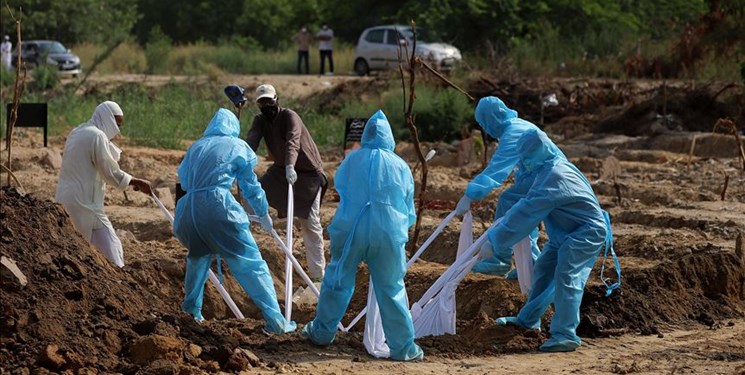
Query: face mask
[(270, 112)]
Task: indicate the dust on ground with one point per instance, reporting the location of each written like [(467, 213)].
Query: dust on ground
[(681, 307)]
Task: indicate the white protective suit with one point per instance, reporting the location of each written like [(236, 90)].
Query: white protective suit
[(90, 161)]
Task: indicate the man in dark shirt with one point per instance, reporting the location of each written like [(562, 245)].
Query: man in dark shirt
[(297, 162)]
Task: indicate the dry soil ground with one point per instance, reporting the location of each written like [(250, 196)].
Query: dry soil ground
[(681, 308)]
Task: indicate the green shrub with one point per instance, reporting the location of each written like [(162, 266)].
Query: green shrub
[(447, 113), (157, 50), (439, 113), (45, 77), (7, 76)]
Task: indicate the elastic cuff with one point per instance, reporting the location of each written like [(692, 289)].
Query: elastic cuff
[(126, 179)]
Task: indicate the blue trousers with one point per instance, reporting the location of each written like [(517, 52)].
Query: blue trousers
[(387, 265)]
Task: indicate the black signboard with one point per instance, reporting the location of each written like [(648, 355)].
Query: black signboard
[(353, 131), (30, 115)]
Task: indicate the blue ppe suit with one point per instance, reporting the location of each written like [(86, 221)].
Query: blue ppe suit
[(210, 221), (577, 229), (502, 123), (371, 224)]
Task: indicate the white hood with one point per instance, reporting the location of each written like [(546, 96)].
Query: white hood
[(103, 118)]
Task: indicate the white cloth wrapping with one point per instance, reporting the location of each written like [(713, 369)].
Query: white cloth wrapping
[(90, 162), (524, 263), (443, 320), (374, 338), (435, 313)]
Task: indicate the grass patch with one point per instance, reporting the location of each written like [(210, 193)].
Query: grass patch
[(160, 57), (164, 117)]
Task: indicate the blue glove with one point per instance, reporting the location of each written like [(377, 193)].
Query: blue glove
[(464, 204), (266, 223), (290, 174)]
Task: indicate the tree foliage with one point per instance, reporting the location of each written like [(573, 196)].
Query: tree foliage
[(70, 21), (469, 24)]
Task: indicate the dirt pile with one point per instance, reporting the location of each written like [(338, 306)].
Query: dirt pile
[(79, 312), (704, 287), (74, 311), (633, 107), (672, 110)]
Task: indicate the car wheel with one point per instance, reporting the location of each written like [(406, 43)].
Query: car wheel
[(360, 67)]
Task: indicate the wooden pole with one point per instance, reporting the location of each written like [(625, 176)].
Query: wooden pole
[(17, 92), (408, 108), (690, 152), (724, 189)]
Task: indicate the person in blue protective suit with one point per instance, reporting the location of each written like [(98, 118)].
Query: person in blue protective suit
[(371, 224), (577, 228), (501, 123), (210, 221)]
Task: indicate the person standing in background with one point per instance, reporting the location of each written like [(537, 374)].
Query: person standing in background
[(325, 36), (303, 39), (5, 51)]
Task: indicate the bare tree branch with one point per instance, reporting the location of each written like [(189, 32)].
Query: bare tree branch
[(18, 87), (409, 118)]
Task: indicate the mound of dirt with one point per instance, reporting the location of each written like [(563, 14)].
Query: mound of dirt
[(674, 109), (77, 311), (702, 287), (77, 308)]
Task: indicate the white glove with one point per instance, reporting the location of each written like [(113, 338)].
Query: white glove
[(266, 223), (290, 174), (464, 204)]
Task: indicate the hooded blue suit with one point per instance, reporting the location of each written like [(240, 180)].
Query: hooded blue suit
[(502, 123), (210, 221), (371, 224), (577, 228)]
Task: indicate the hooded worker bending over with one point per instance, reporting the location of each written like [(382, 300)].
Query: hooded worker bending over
[(502, 123), (89, 162), (210, 221), (577, 228), (371, 224)]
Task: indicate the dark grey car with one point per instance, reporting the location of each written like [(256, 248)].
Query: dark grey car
[(35, 52)]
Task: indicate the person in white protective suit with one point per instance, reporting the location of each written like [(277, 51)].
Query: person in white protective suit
[(371, 224), (89, 162)]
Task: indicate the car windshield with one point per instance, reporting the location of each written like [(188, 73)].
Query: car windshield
[(422, 35), (51, 47)]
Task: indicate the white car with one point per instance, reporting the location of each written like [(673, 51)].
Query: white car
[(377, 49)]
